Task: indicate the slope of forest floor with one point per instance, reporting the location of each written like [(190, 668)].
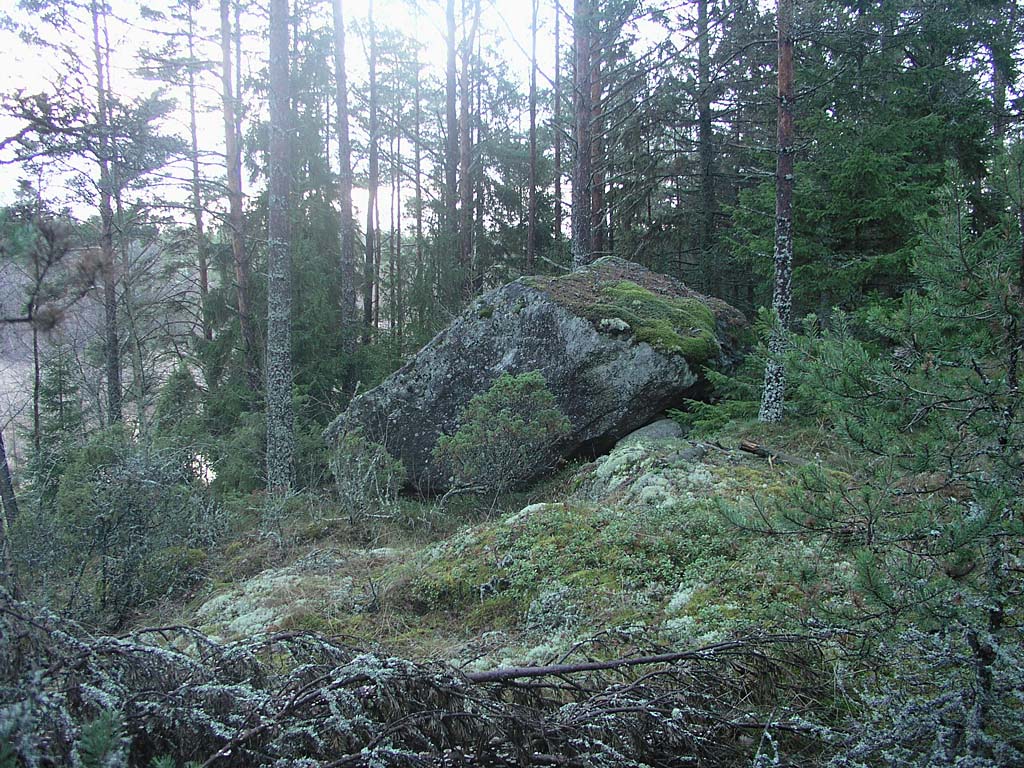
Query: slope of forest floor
[(638, 542)]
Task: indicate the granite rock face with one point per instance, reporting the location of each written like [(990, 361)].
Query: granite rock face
[(615, 342)]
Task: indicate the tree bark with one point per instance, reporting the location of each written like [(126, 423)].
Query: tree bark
[(531, 226), (557, 122), (452, 153), (392, 218), (597, 200), (280, 419), (421, 278), (197, 203), (396, 276), (10, 510), (345, 180), (465, 162), (706, 151), (479, 230), (37, 374), (772, 397), (233, 162), (370, 264), (582, 235), (112, 358)]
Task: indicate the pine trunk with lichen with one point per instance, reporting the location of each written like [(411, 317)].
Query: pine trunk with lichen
[(373, 178), (345, 179), (582, 181), (773, 394), (280, 420), (236, 224), (9, 514), (466, 160), (111, 346)]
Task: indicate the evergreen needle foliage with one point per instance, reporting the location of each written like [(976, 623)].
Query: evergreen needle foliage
[(500, 433), (928, 395)]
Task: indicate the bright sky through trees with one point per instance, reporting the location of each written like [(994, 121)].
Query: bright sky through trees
[(34, 68)]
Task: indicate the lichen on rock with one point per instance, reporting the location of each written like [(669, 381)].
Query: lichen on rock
[(615, 343)]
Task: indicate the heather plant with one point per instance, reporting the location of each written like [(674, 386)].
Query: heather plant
[(366, 477), (501, 433)]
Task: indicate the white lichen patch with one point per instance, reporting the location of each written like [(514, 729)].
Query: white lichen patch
[(654, 490), (617, 467), (661, 473), (681, 598), (527, 512), (640, 474), (614, 325), (312, 585), (689, 631)]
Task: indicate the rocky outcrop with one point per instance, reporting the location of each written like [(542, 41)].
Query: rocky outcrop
[(615, 342)]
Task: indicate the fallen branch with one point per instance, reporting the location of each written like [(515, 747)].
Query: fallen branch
[(513, 673), (297, 698), (748, 446)]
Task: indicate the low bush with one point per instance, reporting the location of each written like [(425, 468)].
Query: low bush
[(366, 477), (502, 433)]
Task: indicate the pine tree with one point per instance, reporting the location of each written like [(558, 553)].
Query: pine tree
[(231, 110), (782, 294), (280, 418), (582, 173)]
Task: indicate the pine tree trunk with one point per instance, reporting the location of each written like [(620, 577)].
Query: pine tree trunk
[(451, 165), (112, 351), (557, 122), (396, 274), (377, 255), (197, 202), (373, 179), (10, 514), (582, 235), (37, 374), (597, 204), (393, 189), (135, 353), (531, 227), (465, 162), (345, 179), (421, 278), (705, 139), (233, 155), (478, 176), (772, 396), (280, 419)]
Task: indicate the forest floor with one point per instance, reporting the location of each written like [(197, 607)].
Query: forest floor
[(654, 540)]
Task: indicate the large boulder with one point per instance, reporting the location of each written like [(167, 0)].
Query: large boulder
[(615, 342)]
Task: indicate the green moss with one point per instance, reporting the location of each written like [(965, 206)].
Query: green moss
[(682, 326), (499, 612), (598, 551), (672, 324)]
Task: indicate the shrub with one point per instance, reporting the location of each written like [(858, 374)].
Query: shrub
[(931, 521), (366, 476), (502, 434), (129, 525)]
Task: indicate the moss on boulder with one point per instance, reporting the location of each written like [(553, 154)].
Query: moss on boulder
[(623, 298), (615, 343)]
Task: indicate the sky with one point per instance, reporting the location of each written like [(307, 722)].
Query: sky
[(505, 22)]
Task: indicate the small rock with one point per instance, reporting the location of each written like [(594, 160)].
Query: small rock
[(663, 429), (694, 453)]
